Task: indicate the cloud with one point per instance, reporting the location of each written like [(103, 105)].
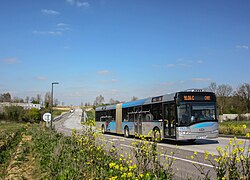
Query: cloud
[(63, 27), (49, 12), (109, 81), (103, 72), (41, 78), (10, 61), (201, 79), (199, 62), (242, 47), (184, 63), (78, 3), (54, 33), (170, 65)]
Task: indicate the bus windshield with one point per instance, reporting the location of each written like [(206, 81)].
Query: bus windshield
[(196, 112)]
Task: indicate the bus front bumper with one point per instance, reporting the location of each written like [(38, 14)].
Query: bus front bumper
[(204, 135)]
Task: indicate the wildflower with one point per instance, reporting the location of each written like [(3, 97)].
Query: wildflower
[(195, 153), (121, 168), (124, 175), (218, 148), (206, 155), (130, 174), (240, 142), (192, 157), (147, 175), (244, 126), (141, 175), (247, 135), (117, 166), (231, 142), (111, 165), (113, 178)]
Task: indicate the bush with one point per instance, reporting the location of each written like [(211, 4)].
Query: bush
[(233, 162), (14, 113)]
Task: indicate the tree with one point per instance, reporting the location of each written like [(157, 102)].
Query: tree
[(47, 100), (112, 101), (5, 97), (38, 98), (134, 98), (99, 100), (212, 87), (243, 92), (27, 99), (223, 92)]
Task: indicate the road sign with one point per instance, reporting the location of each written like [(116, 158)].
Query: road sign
[(47, 117)]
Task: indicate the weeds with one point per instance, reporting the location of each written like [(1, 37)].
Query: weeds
[(233, 162)]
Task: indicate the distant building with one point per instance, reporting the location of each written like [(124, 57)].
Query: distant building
[(24, 105)]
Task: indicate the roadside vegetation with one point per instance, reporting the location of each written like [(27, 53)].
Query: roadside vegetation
[(33, 151), (236, 128), (233, 162), (81, 156)]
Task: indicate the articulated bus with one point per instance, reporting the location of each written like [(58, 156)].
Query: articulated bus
[(185, 115)]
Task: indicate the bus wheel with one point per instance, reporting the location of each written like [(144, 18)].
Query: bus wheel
[(103, 129), (156, 135), (126, 132)]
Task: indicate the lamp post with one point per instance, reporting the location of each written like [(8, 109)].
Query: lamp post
[(51, 110)]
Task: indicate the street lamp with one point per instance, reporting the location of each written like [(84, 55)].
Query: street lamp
[(51, 110)]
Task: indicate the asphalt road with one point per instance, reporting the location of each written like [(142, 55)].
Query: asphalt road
[(184, 166)]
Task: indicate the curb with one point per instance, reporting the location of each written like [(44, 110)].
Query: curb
[(232, 136)]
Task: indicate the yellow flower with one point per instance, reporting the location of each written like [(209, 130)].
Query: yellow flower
[(147, 175), (192, 157), (231, 141), (117, 167), (224, 178), (124, 175), (130, 174), (121, 168), (244, 126), (240, 142), (111, 165), (206, 155), (195, 153), (141, 175), (113, 178), (248, 135)]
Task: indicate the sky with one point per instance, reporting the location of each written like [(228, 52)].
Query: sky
[(121, 49)]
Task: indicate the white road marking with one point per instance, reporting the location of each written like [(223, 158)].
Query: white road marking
[(174, 157), (187, 160)]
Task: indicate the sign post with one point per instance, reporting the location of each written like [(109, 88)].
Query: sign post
[(47, 118)]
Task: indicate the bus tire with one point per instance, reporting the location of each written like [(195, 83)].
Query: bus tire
[(156, 135), (126, 132), (103, 129)]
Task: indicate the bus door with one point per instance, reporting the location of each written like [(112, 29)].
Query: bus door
[(138, 124), (169, 119)]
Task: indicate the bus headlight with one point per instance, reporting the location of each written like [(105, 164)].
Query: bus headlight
[(215, 131)]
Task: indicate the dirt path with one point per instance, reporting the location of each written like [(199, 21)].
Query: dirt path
[(23, 164)]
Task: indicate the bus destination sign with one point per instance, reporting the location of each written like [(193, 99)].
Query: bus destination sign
[(196, 98)]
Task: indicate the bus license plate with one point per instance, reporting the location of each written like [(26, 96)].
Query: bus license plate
[(201, 137)]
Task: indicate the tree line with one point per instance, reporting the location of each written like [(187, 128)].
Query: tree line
[(231, 101), (7, 97)]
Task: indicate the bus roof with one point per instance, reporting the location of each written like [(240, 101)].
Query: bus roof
[(152, 100), (140, 102)]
